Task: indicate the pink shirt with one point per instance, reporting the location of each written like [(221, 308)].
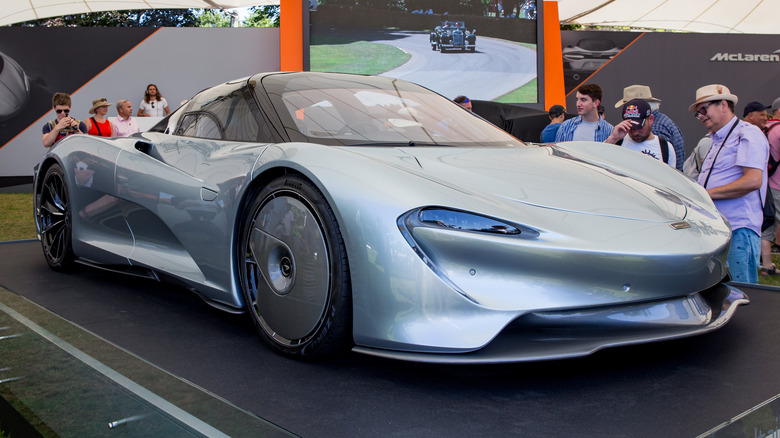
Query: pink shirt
[(125, 127)]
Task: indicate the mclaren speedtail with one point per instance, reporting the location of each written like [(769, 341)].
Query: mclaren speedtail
[(368, 213)]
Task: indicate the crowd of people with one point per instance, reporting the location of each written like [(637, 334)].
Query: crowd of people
[(735, 162), (99, 124)]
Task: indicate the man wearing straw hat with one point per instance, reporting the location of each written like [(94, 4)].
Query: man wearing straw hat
[(663, 126), (733, 173)]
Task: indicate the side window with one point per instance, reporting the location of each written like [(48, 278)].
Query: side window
[(200, 125), (231, 115), (207, 127)]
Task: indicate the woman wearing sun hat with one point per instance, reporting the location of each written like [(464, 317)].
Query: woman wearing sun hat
[(99, 124)]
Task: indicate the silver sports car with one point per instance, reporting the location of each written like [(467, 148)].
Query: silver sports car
[(346, 211)]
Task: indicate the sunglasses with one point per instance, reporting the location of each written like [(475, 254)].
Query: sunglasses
[(701, 112), (152, 104), (66, 111)]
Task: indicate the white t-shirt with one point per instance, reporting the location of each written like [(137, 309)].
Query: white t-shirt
[(652, 148), (155, 108), (585, 131)]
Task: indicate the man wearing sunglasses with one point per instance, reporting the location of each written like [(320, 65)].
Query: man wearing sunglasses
[(64, 125), (733, 173), (463, 101)]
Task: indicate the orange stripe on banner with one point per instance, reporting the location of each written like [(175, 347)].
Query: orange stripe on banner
[(554, 88), (291, 35)]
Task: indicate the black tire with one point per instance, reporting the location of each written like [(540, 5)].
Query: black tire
[(294, 270), (54, 221)]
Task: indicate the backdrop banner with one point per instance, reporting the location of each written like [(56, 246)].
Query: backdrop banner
[(115, 63), (674, 66)]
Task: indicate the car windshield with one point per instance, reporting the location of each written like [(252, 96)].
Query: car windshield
[(357, 110)]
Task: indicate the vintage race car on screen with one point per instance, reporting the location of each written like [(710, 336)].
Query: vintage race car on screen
[(453, 35), (367, 213)]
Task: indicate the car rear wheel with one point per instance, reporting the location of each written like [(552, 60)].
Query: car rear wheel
[(294, 272), (53, 218)]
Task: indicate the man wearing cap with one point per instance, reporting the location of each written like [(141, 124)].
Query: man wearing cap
[(755, 113), (663, 126), (635, 133), (557, 113), (587, 126), (733, 173), (64, 125)]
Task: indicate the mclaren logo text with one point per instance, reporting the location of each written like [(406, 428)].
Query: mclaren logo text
[(747, 57)]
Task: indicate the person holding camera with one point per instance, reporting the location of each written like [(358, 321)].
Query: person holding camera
[(64, 125)]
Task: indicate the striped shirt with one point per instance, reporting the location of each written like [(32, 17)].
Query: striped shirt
[(566, 131), (664, 127)]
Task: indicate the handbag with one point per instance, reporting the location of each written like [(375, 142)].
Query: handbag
[(769, 210)]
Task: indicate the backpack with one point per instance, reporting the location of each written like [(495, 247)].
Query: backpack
[(769, 203), (771, 165), (664, 148)]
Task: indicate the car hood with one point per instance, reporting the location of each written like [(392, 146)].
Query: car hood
[(549, 177)]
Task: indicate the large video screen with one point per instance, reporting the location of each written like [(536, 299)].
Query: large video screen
[(483, 49)]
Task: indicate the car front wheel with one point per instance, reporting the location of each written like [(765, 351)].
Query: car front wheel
[(53, 219), (294, 272)]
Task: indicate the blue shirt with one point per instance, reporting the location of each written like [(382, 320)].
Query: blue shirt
[(745, 147), (664, 127), (549, 132), (566, 131)]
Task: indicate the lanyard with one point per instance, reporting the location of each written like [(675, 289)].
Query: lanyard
[(717, 153)]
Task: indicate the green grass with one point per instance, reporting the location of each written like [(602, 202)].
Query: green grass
[(771, 280), (16, 217), (361, 57), (528, 93)]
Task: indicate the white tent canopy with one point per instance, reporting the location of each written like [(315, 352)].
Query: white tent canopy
[(17, 11), (718, 16), (711, 16)]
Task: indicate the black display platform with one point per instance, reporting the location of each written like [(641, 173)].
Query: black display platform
[(680, 388)]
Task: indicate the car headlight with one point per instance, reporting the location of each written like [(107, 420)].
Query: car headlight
[(465, 221)]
